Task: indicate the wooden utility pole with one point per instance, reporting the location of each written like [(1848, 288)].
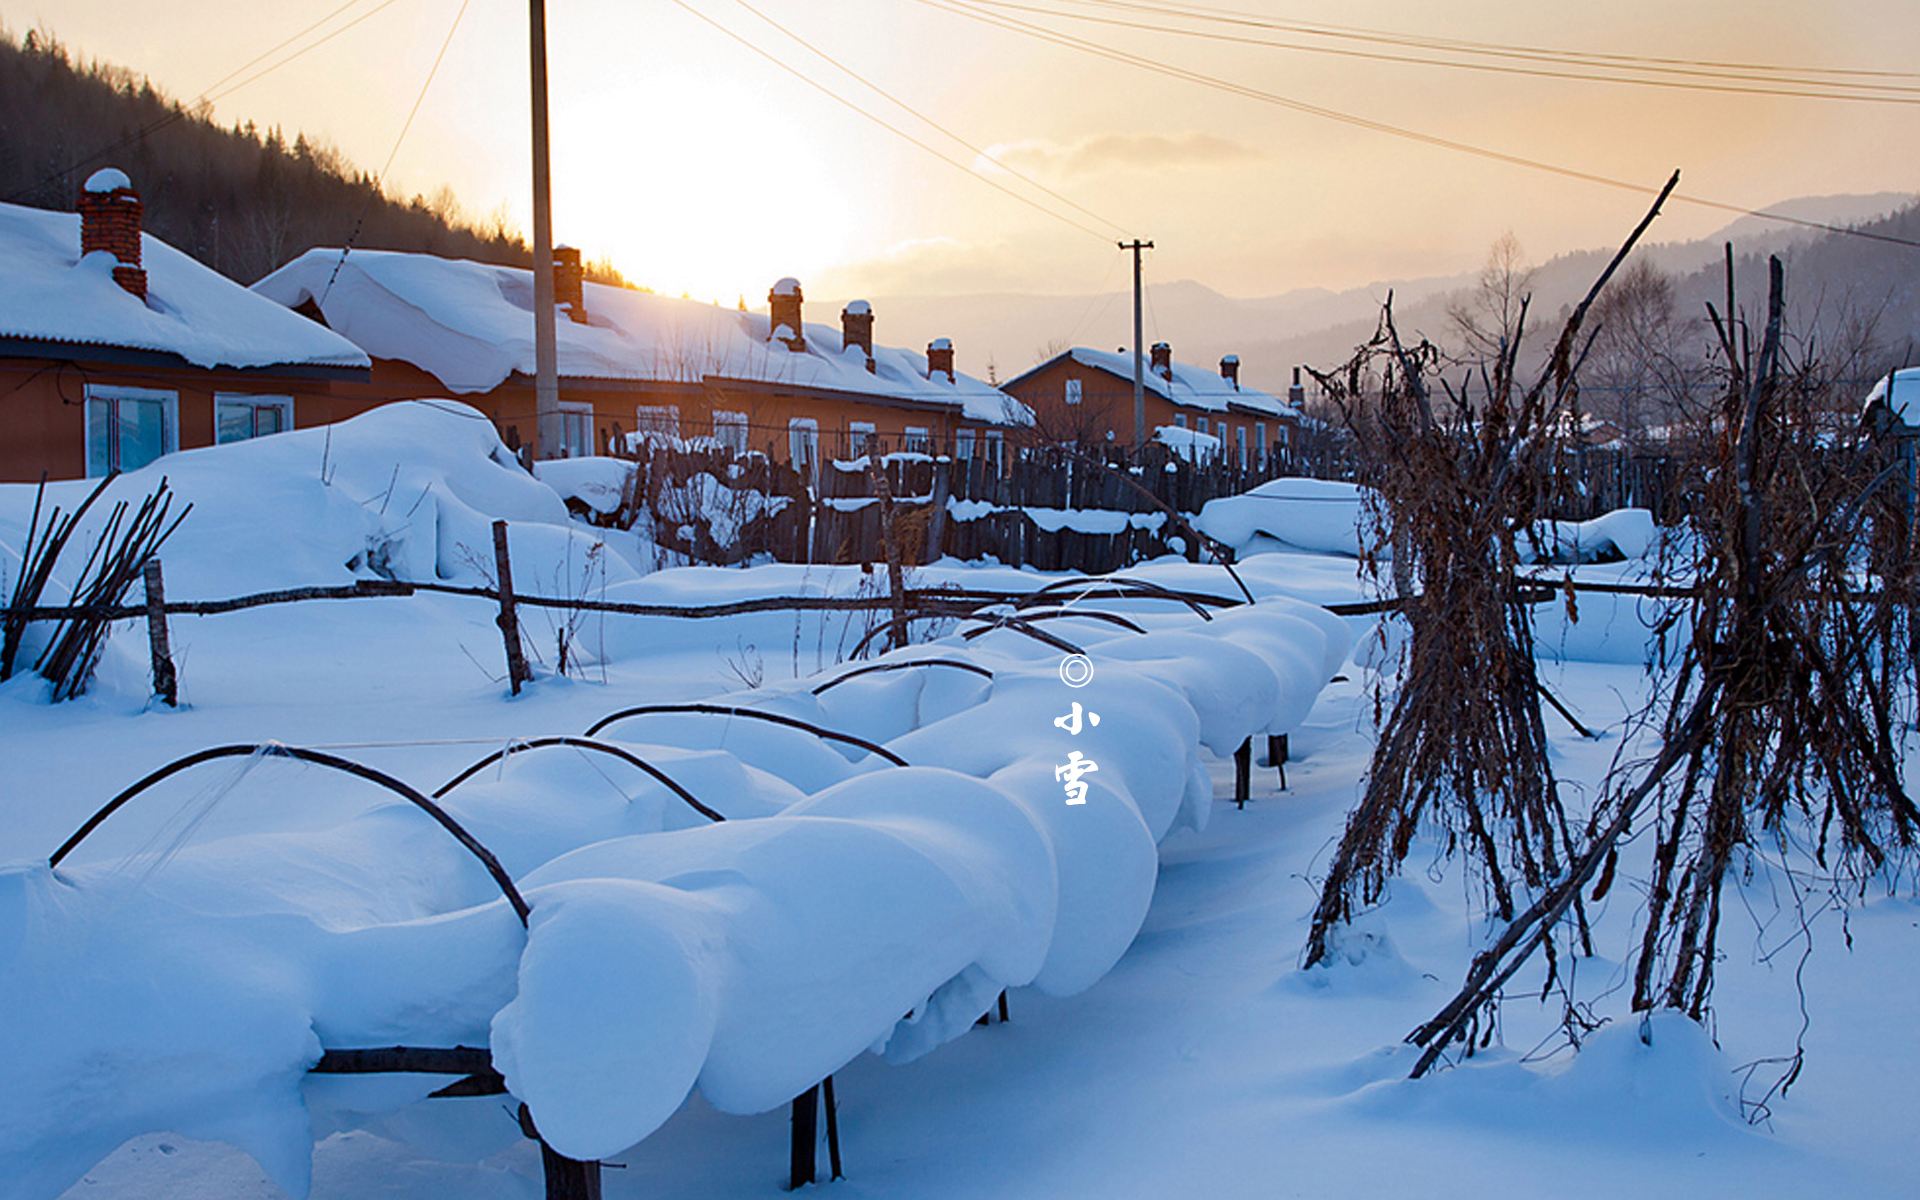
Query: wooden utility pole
[(549, 432), (1139, 377)]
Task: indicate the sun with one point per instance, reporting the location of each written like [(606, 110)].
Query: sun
[(703, 189)]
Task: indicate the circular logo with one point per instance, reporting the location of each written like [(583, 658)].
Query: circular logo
[(1076, 670)]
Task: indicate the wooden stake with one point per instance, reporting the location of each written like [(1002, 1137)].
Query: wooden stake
[(806, 1136), (1243, 773), (937, 518), (166, 682), (509, 618), (896, 580), (1278, 752)]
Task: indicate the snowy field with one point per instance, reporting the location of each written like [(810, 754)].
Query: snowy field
[(1193, 1058)]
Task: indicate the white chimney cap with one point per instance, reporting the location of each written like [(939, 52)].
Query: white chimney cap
[(788, 286), (940, 344), (1234, 359), (107, 179), (859, 308), (782, 333)]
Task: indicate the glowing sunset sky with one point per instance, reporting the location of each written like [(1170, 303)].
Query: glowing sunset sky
[(698, 166)]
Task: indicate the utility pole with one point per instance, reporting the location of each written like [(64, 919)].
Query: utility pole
[(549, 434), (1139, 377)]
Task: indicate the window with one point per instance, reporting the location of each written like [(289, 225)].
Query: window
[(237, 418), (1200, 423), (576, 429), (963, 444), (128, 427), (857, 434), (1179, 420), (1073, 391), (803, 446), (1240, 443), (1260, 444), (730, 430), (995, 445), (916, 440), (660, 420)]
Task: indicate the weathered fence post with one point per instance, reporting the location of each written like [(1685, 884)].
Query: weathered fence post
[(896, 581), (509, 618), (806, 1138), (937, 518), (166, 682)]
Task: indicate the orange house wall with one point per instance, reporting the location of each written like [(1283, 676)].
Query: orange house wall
[(43, 410), (1106, 402)]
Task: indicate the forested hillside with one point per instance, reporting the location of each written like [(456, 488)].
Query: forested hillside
[(243, 200)]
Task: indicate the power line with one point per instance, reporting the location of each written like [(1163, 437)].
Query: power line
[(964, 9), (1708, 68), (888, 125), (379, 179), (899, 103), (209, 94), (1806, 89)]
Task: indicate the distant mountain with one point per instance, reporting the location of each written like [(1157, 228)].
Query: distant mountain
[(1009, 332)]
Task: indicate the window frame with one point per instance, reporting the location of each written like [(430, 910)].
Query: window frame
[(963, 445), (729, 428), (916, 439), (1074, 391), (570, 409), (255, 402), (112, 394)]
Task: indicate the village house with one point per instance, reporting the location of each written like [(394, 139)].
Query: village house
[(1085, 396), (116, 348), (633, 363)]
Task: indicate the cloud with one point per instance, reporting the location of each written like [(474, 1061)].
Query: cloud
[(1122, 151)]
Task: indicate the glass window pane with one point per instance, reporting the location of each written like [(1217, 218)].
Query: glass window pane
[(99, 436), (269, 418), (142, 428), (232, 422)]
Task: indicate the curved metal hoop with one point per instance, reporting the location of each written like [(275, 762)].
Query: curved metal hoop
[(1126, 583), (581, 743), (318, 759), (1050, 614), (754, 714), (872, 668)]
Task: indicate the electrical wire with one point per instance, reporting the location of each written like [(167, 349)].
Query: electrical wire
[(1705, 68), (889, 126), (380, 179), (1811, 90), (923, 117), (211, 93), (964, 8)]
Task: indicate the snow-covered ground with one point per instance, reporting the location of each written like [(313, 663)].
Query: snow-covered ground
[(1203, 1063)]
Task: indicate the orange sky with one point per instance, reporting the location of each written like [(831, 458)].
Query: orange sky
[(700, 167)]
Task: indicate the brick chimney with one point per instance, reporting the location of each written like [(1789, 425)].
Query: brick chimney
[(1297, 394), (569, 283), (940, 358), (785, 301), (110, 218), (1162, 360), (856, 328), (1230, 370)]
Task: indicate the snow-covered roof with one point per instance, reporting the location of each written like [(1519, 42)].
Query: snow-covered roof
[(1190, 387), (49, 293), (1906, 394), (470, 325)]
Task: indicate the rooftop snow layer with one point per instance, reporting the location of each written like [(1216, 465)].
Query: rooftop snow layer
[(48, 292), (1190, 387), (1905, 401), (470, 325)]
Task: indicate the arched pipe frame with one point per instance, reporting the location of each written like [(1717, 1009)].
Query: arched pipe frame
[(581, 743), (319, 759), (751, 714)]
